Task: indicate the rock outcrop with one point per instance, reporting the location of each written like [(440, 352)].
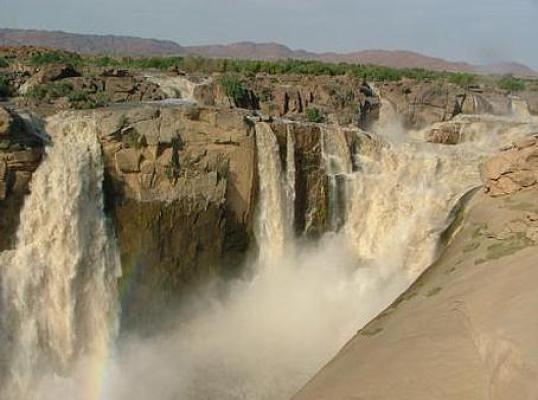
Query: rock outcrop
[(339, 100), (421, 104), (181, 186), (514, 169), (118, 89), (47, 74), (20, 153)]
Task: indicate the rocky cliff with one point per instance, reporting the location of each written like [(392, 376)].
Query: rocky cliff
[(20, 153)]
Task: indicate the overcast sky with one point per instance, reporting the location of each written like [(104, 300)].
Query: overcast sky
[(478, 31)]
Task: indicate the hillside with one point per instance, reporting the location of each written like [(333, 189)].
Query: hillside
[(110, 44), (88, 44)]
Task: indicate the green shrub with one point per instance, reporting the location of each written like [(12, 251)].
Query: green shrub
[(3, 63), (102, 99), (4, 87), (233, 88), (78, 98), (53, 90), (265, 94), (462, 79), (511, 83), (55, 57), (313, 114), (281, 67), (132, 139)]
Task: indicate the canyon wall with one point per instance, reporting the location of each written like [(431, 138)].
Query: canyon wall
[(181, 180)]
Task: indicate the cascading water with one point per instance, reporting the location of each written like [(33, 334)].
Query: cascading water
[(289, 183), (338, 165), (520, 109), (400, 199), (178, 87), (272, 218), (59, 283)]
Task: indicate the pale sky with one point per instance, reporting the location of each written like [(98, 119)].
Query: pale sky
[(478, 31)]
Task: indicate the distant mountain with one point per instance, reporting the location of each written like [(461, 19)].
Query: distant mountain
[(88, 44), (509, 68), (127, 45)]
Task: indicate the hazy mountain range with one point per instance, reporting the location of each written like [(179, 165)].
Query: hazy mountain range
[(134, 46)]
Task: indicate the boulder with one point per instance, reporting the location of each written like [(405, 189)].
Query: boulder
[(514, 169), (445, 134), (49, 73)]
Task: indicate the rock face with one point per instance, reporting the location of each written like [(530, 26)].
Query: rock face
[(463, 329), (181, 188), (421, 104), (341, 100), (119, 89), (514, 169), (310, 178), (20, 153)]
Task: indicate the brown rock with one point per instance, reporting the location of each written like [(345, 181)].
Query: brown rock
[(6, 120), (500, 165), (523, 178), (447, 134), (128, 160), (526, 142), (514, 169), (3, 183), (49, 73)]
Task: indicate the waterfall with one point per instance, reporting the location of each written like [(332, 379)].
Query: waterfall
[(289, 182), (178, 87), (338, 166), (405, 189), (520, 109), (271, 220), (58, 285)]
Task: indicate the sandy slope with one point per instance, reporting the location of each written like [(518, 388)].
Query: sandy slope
[(468, 329)]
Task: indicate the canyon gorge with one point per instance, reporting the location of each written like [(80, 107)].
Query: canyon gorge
[(180, 242)]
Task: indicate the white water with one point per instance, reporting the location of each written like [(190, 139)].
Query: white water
[(177, 87), (271, 220), (406, 187), (337, 158), (289, 182), (58, 286), (520, 109)]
